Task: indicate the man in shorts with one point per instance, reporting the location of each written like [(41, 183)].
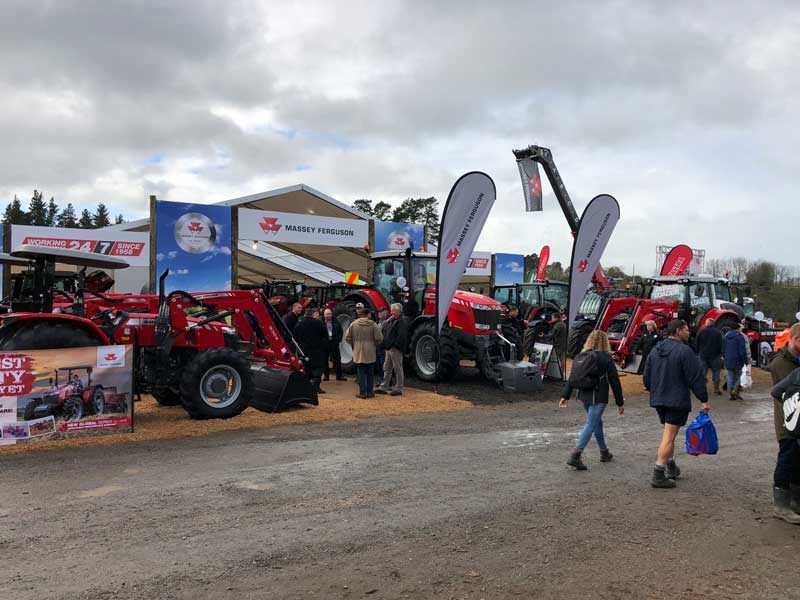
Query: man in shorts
[(671, 372)]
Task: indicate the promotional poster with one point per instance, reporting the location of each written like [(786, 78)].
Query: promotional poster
[(509, 269), (479, 264), (399, 236), (53, 394), (465, 212), (193, 241), (678, 261), (293, 228)]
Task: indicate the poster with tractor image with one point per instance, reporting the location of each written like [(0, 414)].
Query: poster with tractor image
[(52, 394)]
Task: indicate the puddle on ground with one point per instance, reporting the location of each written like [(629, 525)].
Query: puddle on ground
[(103, 490), (253, 485), (132, 471), (526, 438), (757, 412)]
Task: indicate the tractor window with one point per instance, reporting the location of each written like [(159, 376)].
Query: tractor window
[(590, 306), (672, 291), (557, 294), (503, 295), (386, 283), (530, 296), (723, 292), (700, 296)]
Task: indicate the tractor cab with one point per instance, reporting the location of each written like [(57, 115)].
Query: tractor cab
[(404, 277), (534, 298), (699, 297)]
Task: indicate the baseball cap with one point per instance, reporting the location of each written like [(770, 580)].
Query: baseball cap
[(674, 325)]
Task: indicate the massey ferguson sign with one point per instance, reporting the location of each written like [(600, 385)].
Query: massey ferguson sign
[(130, 245), (291, 228)]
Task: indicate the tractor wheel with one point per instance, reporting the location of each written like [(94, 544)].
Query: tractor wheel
[(434, 357), (726, 323), (45, 335), (345, 313), (30, 407), (97, 400), (216, 384), (578, 334), (167, 397), (73, 409)]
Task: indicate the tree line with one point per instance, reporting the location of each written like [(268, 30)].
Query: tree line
[(48, 214), (412, 210)]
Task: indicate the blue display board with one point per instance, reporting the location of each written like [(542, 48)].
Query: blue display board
[(508, 269), (399, 236), (193, 241)]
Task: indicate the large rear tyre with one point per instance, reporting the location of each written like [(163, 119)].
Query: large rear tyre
[(73, 409), (167, 397), (434, 357), (97, 400), (46, 334), (726, 323), (345, 313), (578, 334), (216, 384)]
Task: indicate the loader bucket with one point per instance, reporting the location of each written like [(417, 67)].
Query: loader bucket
[(276, 389)]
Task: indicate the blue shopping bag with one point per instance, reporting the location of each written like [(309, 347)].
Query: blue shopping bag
[(701, 436)]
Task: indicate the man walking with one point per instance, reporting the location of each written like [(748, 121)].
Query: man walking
[(672, 370), (786, 479), (709, 349), (293, 316), (364, 335), (395, 334), (335, 335), (310, 334), (734, 351)]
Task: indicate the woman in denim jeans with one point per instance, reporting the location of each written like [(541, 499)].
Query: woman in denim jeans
[(595, 399)]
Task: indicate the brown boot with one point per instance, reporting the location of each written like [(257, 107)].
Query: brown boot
[(717, 391), (736, 391)]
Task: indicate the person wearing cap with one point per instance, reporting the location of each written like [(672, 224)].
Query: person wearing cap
[(671, 374), (734, 353)]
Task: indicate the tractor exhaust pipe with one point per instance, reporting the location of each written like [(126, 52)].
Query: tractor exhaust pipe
[(161, 281)]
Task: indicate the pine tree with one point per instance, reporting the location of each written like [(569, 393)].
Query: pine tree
[(67, 217), (101, 217), (119, 220), (14, 213), (37, 209), (86, 222), (52, 212)]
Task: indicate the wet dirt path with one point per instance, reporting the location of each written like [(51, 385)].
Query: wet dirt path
[(469, 504)]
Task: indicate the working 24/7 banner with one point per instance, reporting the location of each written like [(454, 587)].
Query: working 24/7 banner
[(132, 246), (52, 394), (399, 236), (193, 241)]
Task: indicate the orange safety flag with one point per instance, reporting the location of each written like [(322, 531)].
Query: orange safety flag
[(351, 278), (781, 340)]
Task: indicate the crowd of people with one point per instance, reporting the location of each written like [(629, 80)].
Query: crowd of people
[(378, 342)]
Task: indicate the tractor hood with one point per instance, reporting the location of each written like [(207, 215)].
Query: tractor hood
[(480, 300)]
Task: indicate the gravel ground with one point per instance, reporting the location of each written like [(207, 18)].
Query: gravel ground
[(472, 503)]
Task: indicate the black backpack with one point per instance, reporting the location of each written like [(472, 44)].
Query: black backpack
[(585, 373)]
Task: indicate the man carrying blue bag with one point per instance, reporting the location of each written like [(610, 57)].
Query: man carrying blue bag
[(672, 370)]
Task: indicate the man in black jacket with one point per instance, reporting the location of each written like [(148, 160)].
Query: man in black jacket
[(672, 370), (394, 343), (312, 337), (291, 318), (709, 349), (335, 334)]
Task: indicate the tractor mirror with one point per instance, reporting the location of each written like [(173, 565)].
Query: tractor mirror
[(759, 316), (388, 268), (797, 316), (401, 282)]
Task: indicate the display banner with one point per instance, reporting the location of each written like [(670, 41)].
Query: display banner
[(54, 394), (463, 217), (544, 258), (399, 236), (133, 246), (594, 230), (479, 265), (291, 228), (193, 241), (509, 269), (678, 261), (531, 183)]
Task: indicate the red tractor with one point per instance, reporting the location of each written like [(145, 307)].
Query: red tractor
[(71, 399), (215, 353), (695, 299), (472, 331)]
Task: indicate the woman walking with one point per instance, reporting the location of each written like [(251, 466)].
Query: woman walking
[(593, 371)]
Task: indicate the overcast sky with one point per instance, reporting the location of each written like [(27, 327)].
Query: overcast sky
[(688, 113)]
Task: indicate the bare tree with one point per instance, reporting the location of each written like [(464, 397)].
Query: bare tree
[(739, 266)]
